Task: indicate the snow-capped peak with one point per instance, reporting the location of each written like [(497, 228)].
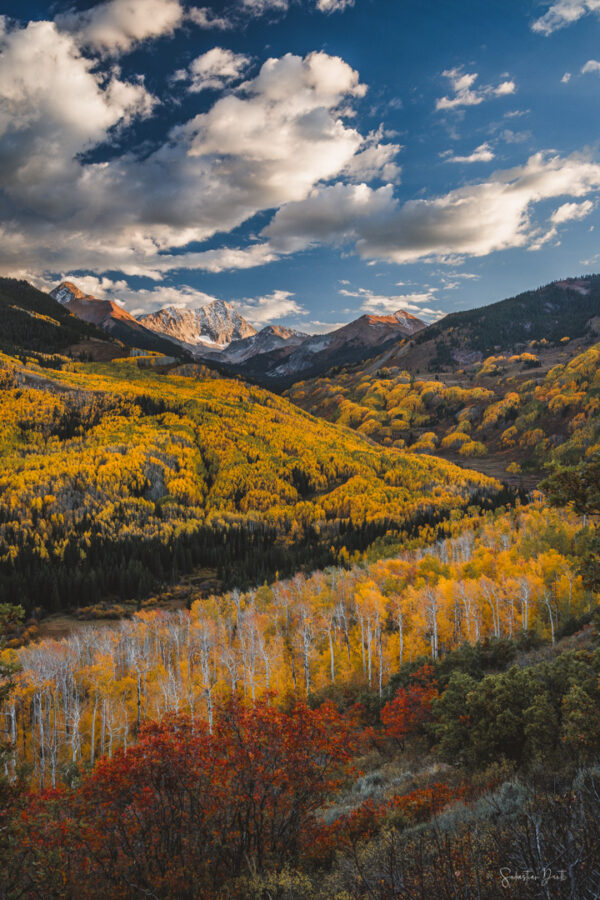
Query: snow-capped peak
[(218, 323), (67, 291)]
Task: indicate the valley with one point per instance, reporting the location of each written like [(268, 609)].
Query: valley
[(359, 566)]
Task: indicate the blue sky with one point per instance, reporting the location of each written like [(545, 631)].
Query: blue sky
[(307, 160)]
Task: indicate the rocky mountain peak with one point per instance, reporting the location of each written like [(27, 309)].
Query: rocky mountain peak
[(216, 324), (67, 291)]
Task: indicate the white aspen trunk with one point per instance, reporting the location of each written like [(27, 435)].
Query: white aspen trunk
[(331, 655), (93, 735)]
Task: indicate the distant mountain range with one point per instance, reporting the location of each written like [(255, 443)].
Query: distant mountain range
[(68, 320), (270, 339), (300, 356), (217, 334), (276, 357)]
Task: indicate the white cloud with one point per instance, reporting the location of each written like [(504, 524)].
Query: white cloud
[(273, 306), (375, 160), (543, 238), (329, 214), (514, 137), (317, 327), (570, 212), (466, 94), (260, 7), (592, 65), (474, 220), (206, 18), (329, 6), (214, 69), (564, 12), (100, 287), (137, 300), (384, 304), (483, 153), (116, 26), (221, 260), (96, 287), (53, 106), (271, 143), (566, 78)]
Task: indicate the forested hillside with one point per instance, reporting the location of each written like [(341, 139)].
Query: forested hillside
[(115, 478), (527, 408), (562, 308), (475, 668), (328, 634), (34, 321)]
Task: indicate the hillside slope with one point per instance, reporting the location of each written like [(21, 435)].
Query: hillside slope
[(506, 413), (568, 308), (114, 476), (34, 321)]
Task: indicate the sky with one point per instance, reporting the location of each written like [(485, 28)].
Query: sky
[(306, 160)]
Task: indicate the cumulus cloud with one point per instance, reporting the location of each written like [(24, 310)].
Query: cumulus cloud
[(116, 26), (258, 310), (330, 214), (276, 305), (206, 18), (101, 287), (563, 13), (465, 93), (214, 69), (569, 212), (269, 144), (384, 304), (483, 153), (330, 6), (474, 220), (220, 260), (591, 66), (54, 106)]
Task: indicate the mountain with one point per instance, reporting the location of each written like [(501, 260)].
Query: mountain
[(566, 308), (33, 321), (110, 317), (270, 339), (215, 325), (349, 343), (498, 387), (290, 359)]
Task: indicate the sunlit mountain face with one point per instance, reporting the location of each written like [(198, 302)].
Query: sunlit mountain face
[(307, 161)]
